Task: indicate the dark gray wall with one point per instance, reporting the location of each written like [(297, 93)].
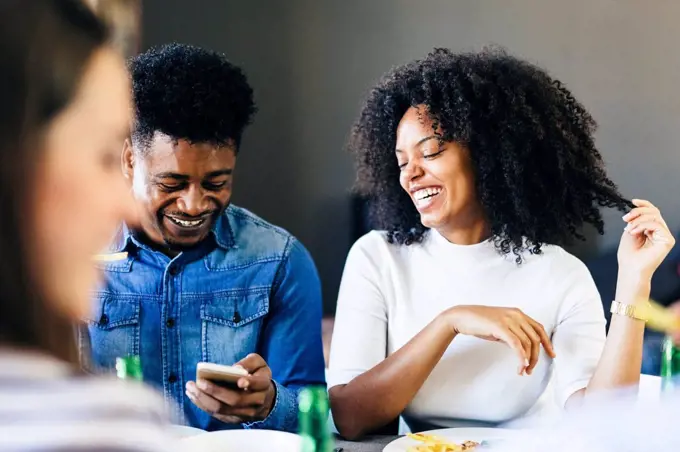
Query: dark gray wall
[(311, 62)]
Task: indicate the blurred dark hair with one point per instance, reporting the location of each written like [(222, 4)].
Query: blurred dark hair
[(45, 46)]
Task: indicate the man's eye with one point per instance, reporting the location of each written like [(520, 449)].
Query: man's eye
[(169, 187), (214, 185)]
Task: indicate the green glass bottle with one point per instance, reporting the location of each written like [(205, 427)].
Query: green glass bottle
[(670, 365), (313, 420), (129, 368)]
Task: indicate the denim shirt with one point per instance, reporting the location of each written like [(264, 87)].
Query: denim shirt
[(249, 288)]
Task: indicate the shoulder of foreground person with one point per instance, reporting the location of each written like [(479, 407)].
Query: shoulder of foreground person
[(82, 414)]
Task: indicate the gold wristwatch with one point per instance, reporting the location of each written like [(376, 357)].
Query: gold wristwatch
[(628, 310)]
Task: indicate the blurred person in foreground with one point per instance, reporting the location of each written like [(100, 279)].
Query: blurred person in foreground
[(205, 280), (459, 313), (618, 421), (123, 18), (64, 112)]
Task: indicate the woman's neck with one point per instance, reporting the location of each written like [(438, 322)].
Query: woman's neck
[(470, 234)]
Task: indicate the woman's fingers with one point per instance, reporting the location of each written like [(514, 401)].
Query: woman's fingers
[(644, 218), (515, 344), (656, 232), (642, 203), (535, 346), (545, 338), (536, 334), (644, 208), (531, 335), (527, 344)]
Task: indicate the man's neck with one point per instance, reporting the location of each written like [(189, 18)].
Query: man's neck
[(204, 245), (142, 237)]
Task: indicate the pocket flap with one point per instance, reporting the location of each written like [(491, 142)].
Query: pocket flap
[(111, 311), (235, 309)]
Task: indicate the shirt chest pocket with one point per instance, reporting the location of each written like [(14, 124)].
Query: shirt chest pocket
[(231, 323), (113, 329)]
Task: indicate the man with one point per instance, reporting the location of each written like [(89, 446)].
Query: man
[(204, 280)]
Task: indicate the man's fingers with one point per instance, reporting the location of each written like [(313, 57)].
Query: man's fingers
[(202, 400), (221, 393), (252, 363), (255, 383), (230, 397), (243, 414)]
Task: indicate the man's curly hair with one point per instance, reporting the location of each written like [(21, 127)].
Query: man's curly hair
[(539, 176), (189, 93)]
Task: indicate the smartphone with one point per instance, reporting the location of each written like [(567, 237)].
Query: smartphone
[(221, 375)]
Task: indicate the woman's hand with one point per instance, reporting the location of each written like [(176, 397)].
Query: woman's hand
[(509, 325), (645, 243)]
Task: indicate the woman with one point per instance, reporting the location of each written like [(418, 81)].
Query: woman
[(64, 114), (480, 166)]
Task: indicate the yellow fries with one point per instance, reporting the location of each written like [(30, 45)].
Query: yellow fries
[(433, 443)]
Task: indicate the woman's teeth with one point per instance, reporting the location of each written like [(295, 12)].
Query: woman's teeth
[(426, 193)]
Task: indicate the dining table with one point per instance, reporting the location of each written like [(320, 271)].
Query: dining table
[(649, 389), (374, 443)]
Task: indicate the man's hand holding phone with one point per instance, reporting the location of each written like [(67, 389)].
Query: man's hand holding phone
[(235, 394)]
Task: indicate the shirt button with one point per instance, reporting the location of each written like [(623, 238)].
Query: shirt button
[(172, 378), (170, 323), (103, 320)]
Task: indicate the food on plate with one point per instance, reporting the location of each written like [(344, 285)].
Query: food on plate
[(432, 443)]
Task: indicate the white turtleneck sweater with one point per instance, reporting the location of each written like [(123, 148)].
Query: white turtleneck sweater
[(391, 292)]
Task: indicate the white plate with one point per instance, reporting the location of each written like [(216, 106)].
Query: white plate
[(455, 435), (184, 431), (243, 441)]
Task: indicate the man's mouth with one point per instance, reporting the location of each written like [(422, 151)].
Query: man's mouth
[(188, 223)]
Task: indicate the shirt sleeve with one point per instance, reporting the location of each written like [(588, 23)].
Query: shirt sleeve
[(291, 338), (579, 336), (360, 333)]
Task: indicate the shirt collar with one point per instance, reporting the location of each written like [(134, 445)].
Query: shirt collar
[(221, 231), (122, 240)]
